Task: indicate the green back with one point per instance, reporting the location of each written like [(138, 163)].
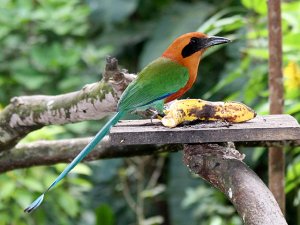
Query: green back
[(159, 79)]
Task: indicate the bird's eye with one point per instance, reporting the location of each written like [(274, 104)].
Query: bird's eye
[(194, 40)]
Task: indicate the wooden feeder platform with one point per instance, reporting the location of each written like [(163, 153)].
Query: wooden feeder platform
[(270, 128)]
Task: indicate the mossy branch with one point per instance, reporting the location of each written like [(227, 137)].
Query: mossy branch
[(63, 151), (94, 101)]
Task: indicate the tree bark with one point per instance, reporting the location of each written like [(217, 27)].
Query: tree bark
[(46, 152), (222, 167), (276, 98), (63, 151), (94, 101)]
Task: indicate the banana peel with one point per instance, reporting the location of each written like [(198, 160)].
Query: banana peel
[(189, 110)]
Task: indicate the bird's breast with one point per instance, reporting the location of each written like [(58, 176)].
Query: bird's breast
[(181, 91)]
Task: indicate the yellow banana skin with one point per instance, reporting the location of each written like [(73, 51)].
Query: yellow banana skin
[(196, 109)]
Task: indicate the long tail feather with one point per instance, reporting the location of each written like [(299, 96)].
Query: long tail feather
[(99, 136)]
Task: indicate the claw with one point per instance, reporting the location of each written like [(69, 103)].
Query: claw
[(155, 114)]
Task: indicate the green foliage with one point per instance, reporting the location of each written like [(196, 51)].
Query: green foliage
[(46, 133), (180, 18), (19, 187), (45, 45), (56, 46), (105, 12), (104, 215), (256, 5), (293, 172), (205, 202)]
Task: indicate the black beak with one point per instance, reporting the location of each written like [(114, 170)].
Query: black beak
[(197, 44), (214, 40)]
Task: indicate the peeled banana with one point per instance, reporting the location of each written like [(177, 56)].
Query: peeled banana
[(196, 109)]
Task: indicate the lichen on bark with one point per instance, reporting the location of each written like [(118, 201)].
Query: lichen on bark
[(94, 101)]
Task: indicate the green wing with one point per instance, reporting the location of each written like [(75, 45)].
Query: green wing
[(158, 80)]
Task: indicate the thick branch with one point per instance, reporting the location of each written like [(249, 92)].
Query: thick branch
[(92, 102), (51, 152), (222, 167), (58, 151)]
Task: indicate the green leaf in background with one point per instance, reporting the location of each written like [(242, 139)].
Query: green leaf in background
[(104, 215), (256, 5), (290, 15), (220, 22), (30, 79), (150, 193), (27, 76), (293, 173), (55, 56), (107, 13), (45, 133), (56, 46), (293, 107), (70, 15), (7, 190), (179, 19), (69, 204)]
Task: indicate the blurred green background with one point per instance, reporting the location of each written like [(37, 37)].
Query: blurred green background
[(56, 46)]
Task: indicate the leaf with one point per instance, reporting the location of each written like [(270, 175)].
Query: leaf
[(104, 215), (69, 204), (216, 22), (179, 19), (105, 11), (45, 133), (26, 76), (291, 41), (293, 174), (7, 189), (256, 5), (55, 56), (293, 107), (62, 17), (179, 180), (33, 184), (82, 184), (82, 169), (154, 220), (150, 193), (259, 53), (30, 79), (257, 153), (233, 75)]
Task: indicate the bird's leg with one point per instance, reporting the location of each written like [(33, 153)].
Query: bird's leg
[(229, 124), (155, 114)]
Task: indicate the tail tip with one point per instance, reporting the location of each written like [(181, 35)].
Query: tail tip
[(34, 204)]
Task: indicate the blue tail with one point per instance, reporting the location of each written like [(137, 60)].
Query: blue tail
[(99, 136)]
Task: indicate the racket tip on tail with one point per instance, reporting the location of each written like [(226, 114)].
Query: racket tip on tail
[(34, 204)]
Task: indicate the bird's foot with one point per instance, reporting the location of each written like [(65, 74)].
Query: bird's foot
[(155, 114)]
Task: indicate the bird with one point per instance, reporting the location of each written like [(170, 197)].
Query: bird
[(163, 80)]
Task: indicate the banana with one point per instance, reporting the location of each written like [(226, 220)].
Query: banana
[(197, 109)]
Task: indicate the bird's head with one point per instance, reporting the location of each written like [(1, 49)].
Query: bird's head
[(188, 48)]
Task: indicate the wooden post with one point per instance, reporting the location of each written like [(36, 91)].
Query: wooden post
[(276, 154)]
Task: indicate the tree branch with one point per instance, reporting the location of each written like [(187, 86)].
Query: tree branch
[(62, 151), (59, 151), (223, 168), (94, 101)]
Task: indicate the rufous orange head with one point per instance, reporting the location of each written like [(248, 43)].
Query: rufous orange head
[(190, 47), (187, 51)]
